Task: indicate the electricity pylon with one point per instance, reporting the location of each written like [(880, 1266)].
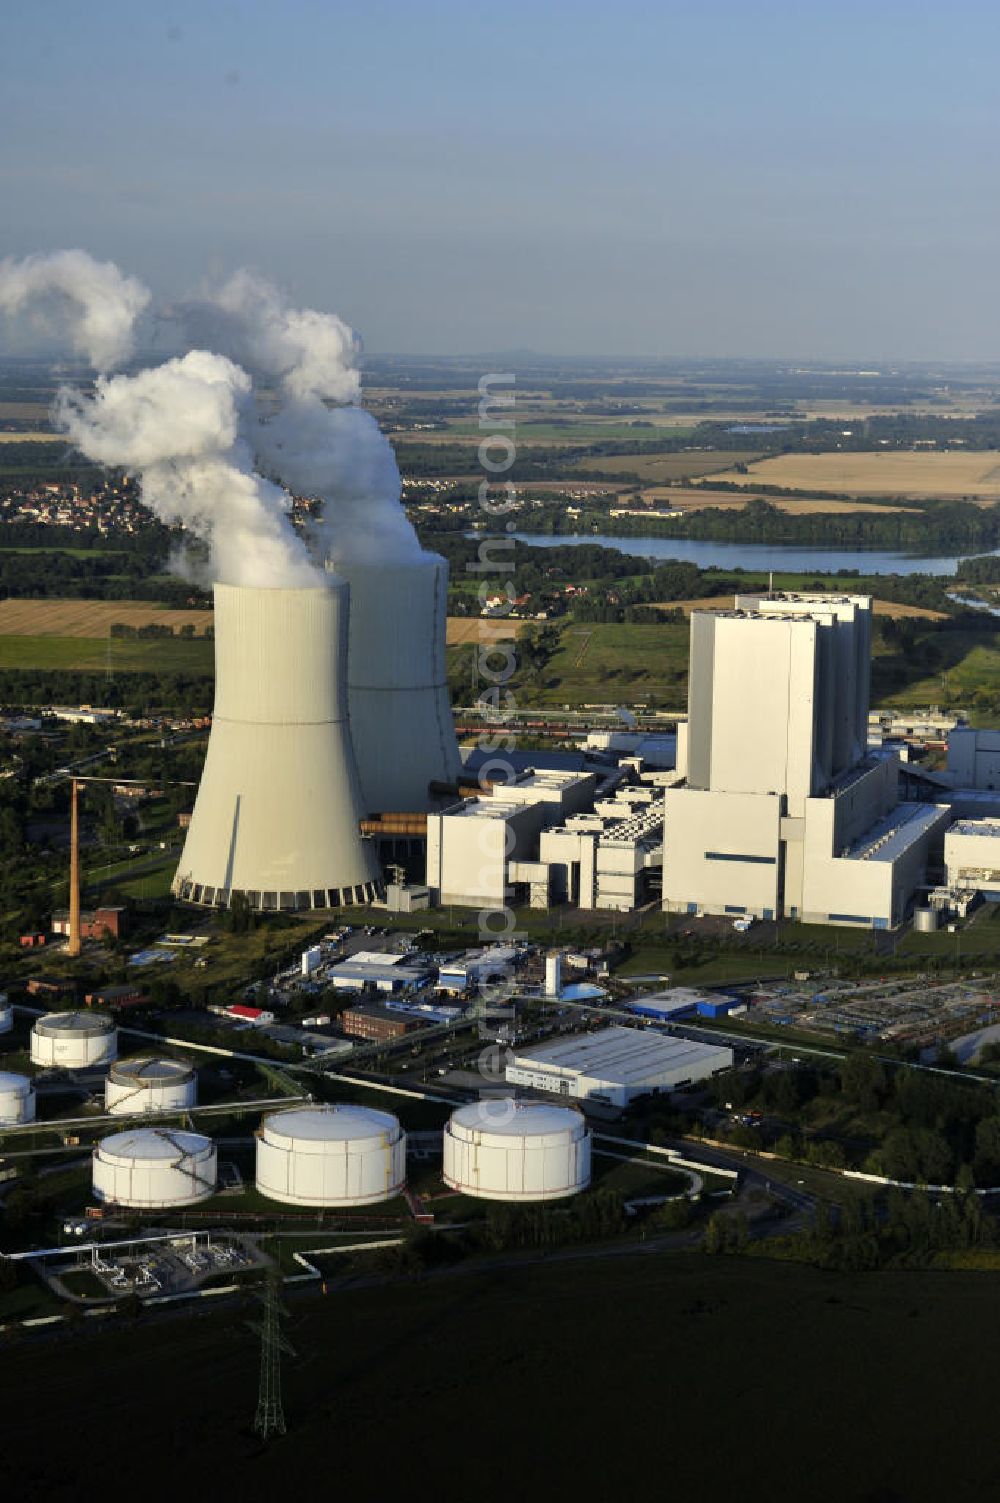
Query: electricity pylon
[(270, 1417)]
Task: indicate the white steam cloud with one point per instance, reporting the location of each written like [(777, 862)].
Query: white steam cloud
[(178, 425), (336, 453), (98, 303), (195, 428)]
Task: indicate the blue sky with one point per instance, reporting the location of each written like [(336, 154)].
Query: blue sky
[(675, 179)]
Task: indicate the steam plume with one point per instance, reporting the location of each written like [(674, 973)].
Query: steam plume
[(178, 425), (97, 303), (339, 454)]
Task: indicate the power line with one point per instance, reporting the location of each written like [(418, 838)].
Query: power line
[(270, 1417)]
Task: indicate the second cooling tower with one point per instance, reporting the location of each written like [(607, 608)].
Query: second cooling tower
[(279, 802), (401, 722)]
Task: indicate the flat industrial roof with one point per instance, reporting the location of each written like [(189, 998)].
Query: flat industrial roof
[(987, 827), (626, 1056), (893, 835)]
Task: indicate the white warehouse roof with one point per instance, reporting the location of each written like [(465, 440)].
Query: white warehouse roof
[(616, 1064)]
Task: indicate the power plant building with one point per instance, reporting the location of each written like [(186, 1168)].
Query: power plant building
[(471, 845), (783, 811), (277, 814), (972, 856), (615, 1065), (502, 1149)]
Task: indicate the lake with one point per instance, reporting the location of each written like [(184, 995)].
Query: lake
[(780, 558)]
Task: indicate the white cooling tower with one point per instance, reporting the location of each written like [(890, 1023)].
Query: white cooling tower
[(401, 722), (279, 802)]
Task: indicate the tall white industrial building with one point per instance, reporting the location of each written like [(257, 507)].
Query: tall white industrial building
[(279, 804), (782, 811)]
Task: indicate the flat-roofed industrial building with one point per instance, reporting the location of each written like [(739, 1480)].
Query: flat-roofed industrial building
[(615, 1065)]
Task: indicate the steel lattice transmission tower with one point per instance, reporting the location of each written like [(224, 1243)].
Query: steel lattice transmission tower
[(270, 1417)]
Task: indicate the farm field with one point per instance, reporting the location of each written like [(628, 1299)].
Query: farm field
[(375, 1363), (462, 629), (32, 438), (89, 654), (660, 467), (91, 618), (899, 473), (697, 498)]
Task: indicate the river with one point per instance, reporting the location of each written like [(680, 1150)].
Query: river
[(779, 557)]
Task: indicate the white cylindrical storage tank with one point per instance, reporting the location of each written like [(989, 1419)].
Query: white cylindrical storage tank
[(17, 1099), (553, 974), (925, 920), (516, 1150), (73, 1040), (148, 1084), (154, 1168), (278, 805), (401, 721), (6, 1014), (330, 1156)]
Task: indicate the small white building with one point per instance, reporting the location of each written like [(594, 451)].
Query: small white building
[(972, 855), (615, 1065)]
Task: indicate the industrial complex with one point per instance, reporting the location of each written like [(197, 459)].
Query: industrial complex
[(333, 751)]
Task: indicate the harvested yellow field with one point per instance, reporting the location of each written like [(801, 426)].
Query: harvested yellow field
[(33, 438), (91, 618), (907, 472), (695, 498), (892, 608), (465, 629)]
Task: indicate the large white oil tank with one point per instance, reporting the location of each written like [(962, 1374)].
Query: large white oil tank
[(73, 1040), (17, 1099), (6, 1014), (279, 803), (147, 1083), (401, 721), (154, 1168), (516, 1150), (330, 1156)]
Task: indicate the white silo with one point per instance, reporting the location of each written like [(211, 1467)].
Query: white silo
[(154, 1168), (553, 974), (401, 721), (6, 1014), (17, 1099), (73, 1040), (278, 806), (330, 1156), (516, 1150), (149, 1084)]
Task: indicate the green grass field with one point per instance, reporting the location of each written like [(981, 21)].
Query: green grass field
[(156, 654)]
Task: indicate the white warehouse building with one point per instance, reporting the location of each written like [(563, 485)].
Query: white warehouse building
[(783, 811), (615, 1065)]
